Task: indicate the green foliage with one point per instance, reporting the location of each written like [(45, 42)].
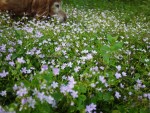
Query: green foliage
[(100, 57)]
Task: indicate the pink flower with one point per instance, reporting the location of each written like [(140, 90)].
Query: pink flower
[(21, 92), (3, 48), (102, 79), (44, 67), (24, 70), (21, 60), (54, 84), (70, 64), (31, 102), (38, 34), (76, 69), (124, 74), (11, 63), (23, 101), (19, 42), (3, 93), (118, 67), (8, 57), (89, 56), (50, 99), (90, 108), (3, 74), (56, 71), (118, 75), (117, 95), (63, 89), (71, 80), (41, 96), (74, 94)]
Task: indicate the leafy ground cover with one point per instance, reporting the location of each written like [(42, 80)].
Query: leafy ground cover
[(97, 61)]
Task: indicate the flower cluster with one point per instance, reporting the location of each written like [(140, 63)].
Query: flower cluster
[(90, 63)]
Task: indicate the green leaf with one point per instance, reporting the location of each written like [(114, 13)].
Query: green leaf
[(48, 77), (80, 107), (35, 82), (24, 111), (26, 83), (82, 89), (18, 65), (116, 111), (58, 96), (43, 108), (14, 72), (144, 110), (106, 58), (82, 98), (99, 96), (117, 45), (14, 56), (106, 96), (112, 39), (104, 49), (80, 102)]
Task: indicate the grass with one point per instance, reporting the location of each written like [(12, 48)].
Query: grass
[(97, 61)]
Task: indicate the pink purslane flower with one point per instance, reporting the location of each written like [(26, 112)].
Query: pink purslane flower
[(41, 96), (31, 102), (21, 92), (118, 75), (63, 89), (30, 30), (56, 71), (24, 70), (11, 63), (3, 48), (102, 79), (50, 100), (54, 84), (19, 42), (118, 67), (23, 101), (74, 94), (117, 95), (70, 64), (8, 57), (44, 67), (71, 80), (89, 56), (124, 74), (3, 93), (3, 74), (69, 87), (38, 34), (76, 69), (90, 108), (21, 60)]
